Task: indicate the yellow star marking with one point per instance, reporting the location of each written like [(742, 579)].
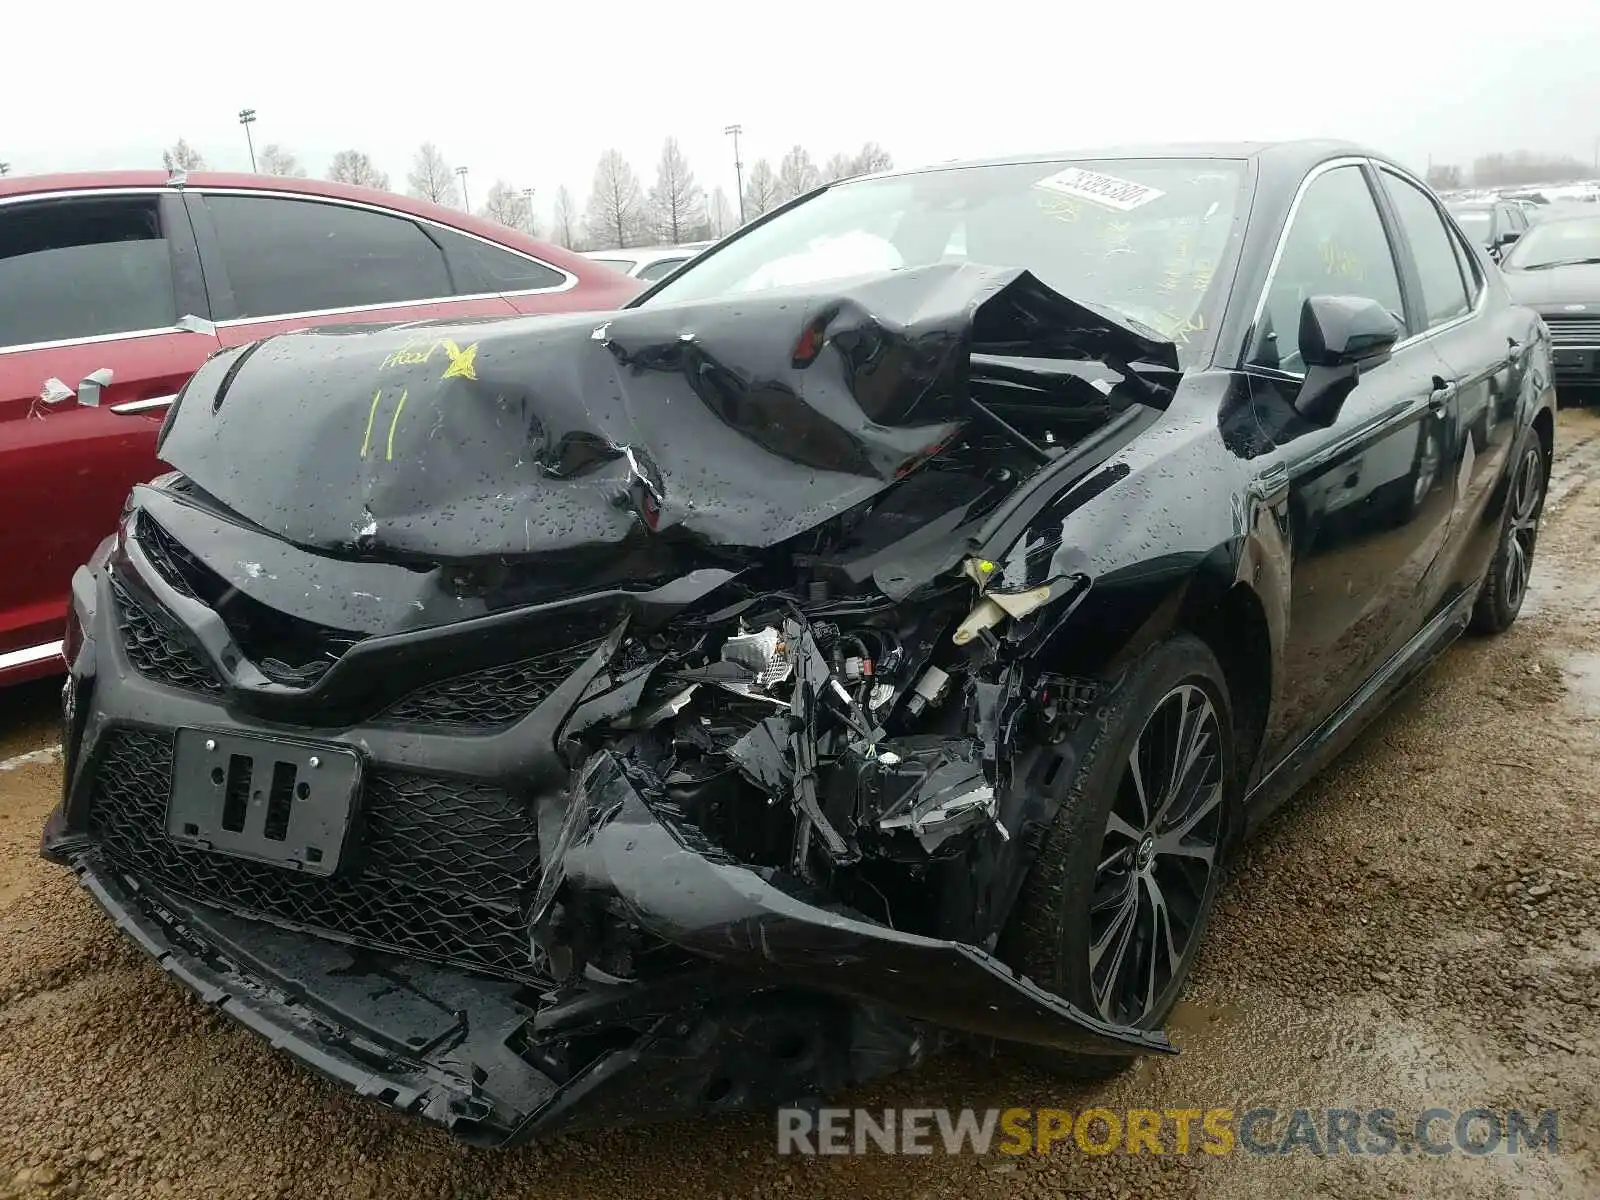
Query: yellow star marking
[(463, 363)]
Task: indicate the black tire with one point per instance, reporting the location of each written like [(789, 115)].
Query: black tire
[(1049, 936), (1506, 585)]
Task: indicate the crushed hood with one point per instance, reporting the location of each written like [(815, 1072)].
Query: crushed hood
[(737, 423)]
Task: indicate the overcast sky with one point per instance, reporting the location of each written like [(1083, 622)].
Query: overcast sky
[(523, 92)]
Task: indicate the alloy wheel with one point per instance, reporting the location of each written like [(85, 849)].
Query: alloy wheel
[(1157, 855), (1522, 531)]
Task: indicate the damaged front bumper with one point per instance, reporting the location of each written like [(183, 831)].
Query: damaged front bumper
[(414, 967)]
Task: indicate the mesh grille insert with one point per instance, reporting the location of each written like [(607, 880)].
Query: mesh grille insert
[(435, 868)]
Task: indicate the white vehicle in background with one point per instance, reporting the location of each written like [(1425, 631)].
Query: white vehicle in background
[(648, 263)]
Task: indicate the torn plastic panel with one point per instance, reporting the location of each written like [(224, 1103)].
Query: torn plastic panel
[(726, 911), (496, 1063), (622, 450)]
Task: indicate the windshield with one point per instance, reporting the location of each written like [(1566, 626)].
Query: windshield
[(1139, 237), (1554, 242)]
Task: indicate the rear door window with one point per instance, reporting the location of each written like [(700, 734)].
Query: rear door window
[(288, 256), (1444, 293), (481, 266), (83, 268)]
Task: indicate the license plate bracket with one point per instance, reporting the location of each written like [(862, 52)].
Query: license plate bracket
[(275, 800)]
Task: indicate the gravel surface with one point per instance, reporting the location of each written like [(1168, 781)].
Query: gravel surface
[(1420, 927)]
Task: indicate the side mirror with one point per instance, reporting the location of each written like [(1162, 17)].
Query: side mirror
[(1339, 337), (1508, 236)]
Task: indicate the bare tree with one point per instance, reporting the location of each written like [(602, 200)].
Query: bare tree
[(719, 214), (677, 202), (1444, 177), (1524, 166), (431, 177), (838, 166), (797, 174), (182, 157), (871, 157), (760, 189), (510, 206), (565, 230), (352, 166), (616, 214), (280, 160)]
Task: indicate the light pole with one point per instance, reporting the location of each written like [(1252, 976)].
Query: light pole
[(465, 203), (738, 167), (247, 118), (527, 210)]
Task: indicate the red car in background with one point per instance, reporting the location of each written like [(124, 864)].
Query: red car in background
[(114, 288)]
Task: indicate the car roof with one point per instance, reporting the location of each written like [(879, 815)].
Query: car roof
[(644, 254), (76, 181), (1287, 156)]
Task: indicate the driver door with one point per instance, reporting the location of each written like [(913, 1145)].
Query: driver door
[(1367, 503)]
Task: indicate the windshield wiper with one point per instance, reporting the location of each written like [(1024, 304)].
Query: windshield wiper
[(1563, 262)]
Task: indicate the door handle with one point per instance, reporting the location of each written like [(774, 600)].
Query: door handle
[(139, 406), (1443, 392)]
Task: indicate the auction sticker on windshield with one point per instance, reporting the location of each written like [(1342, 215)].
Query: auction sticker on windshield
[(1122, 194)]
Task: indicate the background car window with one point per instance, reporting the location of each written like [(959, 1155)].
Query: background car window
[(1336, 246), (83, 268), (1444, 294), (661, 268), (293, 256), (1470, 270), (616, 264), (481, 267)]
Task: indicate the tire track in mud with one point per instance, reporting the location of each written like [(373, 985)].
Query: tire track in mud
[(1418, 927)]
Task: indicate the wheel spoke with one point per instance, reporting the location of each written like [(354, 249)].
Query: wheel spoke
[(1195, 736), (1136, 773), (1112, 896), (1174, 843), (1117, 825), (1160, 940), (1516, 572), (1117, 938)]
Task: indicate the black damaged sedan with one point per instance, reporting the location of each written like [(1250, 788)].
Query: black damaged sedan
[(878, 635)]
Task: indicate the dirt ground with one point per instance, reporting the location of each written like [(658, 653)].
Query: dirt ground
[(1421, 927)]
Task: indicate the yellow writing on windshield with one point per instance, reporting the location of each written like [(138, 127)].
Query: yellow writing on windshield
[(1060, 208), (1340, 262)]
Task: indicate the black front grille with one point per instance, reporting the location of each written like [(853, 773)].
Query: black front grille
[(286, 648), (175, 564), (158, 647), (435, 869), (490, 698)]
